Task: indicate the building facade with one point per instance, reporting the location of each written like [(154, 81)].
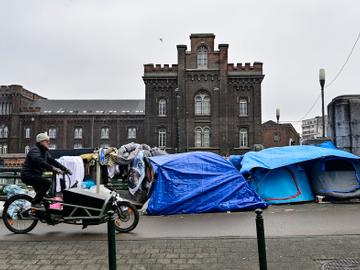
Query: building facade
[(344, 122), (210, 104), (201, 103), (274, 134), (313, 128)]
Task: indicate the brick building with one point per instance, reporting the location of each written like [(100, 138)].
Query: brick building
[(274, 134), (201, 103)]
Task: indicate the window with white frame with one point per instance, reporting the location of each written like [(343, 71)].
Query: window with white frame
[(5, 108), (202, 137), (27, 149), (202, 104), (243, 138), (162, 107), (104, 134), (77, 146), (27, 133), (197, 138), (6, 132), (78, 133), (202, 57), (52, 133), (5, 149), (162, 137), (131, 133), (206, 137), (243, 106), (1, 149)]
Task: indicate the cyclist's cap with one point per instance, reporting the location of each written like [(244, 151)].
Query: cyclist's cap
[(42, 137)]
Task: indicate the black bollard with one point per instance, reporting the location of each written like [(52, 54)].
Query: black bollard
[(261, 239), (111, 241)]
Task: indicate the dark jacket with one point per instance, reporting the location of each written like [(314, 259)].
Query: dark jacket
[(39, 160)]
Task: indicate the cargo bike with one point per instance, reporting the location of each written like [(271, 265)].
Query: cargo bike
[(78, 207)]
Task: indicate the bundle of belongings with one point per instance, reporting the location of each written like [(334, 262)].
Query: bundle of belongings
[(14, 208), (128, 163), (76, 166)]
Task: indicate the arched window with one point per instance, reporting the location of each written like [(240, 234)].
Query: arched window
[(131, 133), (27, 133), (162, 137), (202, 104), (162, 107), (27, 149), (202, 57), (5, 149), (243, 106), (206, 137), (198, 132), (202, 137), (104, 134), (1, 132), (78, 133), (6, 132), (52, 133), (243, 138)]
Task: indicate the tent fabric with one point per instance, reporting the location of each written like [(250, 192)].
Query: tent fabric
[(288, 184), (236, 160), (334, 177), (199, 182), (276, 157)]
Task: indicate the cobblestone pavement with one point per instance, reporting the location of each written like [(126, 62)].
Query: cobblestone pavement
[(207, 253)]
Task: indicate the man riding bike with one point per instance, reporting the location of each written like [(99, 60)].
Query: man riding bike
[(37, 161)]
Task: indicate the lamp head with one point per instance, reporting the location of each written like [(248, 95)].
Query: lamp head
[(277, 114), (322, 77)]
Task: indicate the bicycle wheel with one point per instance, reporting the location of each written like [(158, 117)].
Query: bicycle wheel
[(17, 214), (126, 217)]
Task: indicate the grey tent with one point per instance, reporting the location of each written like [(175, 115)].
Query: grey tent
[(336, 177)]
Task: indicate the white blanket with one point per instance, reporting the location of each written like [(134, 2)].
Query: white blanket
[(76, 166)]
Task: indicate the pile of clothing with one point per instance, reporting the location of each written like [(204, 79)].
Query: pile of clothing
[(130, 162)]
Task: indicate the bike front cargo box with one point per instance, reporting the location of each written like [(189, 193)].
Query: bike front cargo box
[(83, 203)]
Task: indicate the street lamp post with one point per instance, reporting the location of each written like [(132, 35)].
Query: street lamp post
[(322, 83), (278, 125)]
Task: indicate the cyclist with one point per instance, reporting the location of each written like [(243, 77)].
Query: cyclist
[(37, 161)]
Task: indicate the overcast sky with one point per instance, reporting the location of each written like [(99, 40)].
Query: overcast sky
[(84, 49)]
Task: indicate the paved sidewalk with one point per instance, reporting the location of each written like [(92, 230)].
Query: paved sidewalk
[(217, 253)]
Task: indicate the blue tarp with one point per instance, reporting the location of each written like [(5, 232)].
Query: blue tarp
[(198, 182), (236, 160), (277, 157)]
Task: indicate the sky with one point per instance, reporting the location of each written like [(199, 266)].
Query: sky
[(96, 49)]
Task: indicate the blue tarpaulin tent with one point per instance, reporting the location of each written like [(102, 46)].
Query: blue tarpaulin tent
[(277, 177), (277, 157), (198, 182)]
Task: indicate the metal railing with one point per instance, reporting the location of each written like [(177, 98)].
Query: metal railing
[(11, 175)]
